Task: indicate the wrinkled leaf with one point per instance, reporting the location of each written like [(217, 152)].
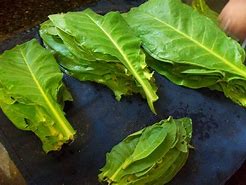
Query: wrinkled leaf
[(32, 94), (74, 63), (189, 48), (101, 49)]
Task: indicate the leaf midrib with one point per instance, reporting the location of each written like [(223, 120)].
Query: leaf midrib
[(148, 93), (228, 63), (45, 97)]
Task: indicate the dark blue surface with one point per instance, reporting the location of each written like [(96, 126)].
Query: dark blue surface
[(219, 130)]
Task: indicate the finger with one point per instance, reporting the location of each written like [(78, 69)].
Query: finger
[(221, 16), (224, 20)]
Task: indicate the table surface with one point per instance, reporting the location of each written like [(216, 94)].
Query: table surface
[(23, 15)]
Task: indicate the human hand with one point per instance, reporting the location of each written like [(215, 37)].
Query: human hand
[(233, 18)]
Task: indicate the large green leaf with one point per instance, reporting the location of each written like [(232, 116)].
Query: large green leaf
[(111, 41), (160, 159), (32, 94), (81, 66), (191, 50)]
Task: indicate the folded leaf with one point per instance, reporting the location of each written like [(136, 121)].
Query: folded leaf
[(118, 59), (32, 94), (144, 165), (191, 50), (156, 163)]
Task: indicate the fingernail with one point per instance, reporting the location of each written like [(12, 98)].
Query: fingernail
[(244, 43), (226, 25)]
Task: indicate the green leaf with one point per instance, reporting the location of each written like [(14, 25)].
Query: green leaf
[(160, 169), (152, 137), (203, 8), (74, 63), (111, 41), (172, 171), (146, 164), (129, 163), (30, 77), (191, 50), (117, 156), (183, 137)]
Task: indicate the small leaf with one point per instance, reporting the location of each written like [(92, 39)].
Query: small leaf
[(149, 141)]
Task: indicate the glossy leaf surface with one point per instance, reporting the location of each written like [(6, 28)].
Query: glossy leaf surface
[(189, 48)]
